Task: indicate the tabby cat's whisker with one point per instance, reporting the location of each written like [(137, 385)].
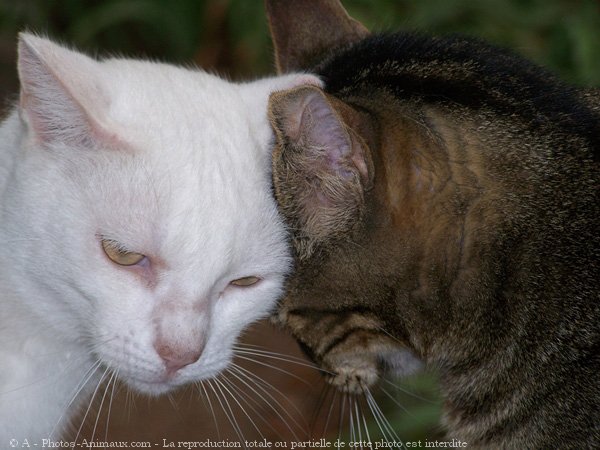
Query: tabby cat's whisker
[(376, 409), (358, 421), (364, 420), (341, 417), (396, 402), (320, 402), (331, 405), (408, 392), (377, 421), (351, 418)]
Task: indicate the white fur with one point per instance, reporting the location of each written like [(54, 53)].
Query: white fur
[(172, 163)]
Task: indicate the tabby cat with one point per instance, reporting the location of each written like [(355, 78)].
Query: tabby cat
[(443, 199)]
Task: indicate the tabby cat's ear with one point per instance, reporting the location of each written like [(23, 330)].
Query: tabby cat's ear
[(303, 31), (321, 166), (61, 97)]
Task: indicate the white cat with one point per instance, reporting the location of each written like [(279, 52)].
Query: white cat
[(138, 235)]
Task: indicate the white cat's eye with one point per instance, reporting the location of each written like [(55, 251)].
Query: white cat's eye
[(119, 255), (246, 281)]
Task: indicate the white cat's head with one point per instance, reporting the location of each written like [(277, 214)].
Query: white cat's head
[(142, 192)]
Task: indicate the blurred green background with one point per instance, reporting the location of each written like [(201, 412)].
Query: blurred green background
[(231, 38)]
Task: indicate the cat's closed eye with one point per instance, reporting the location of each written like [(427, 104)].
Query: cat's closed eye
[(245, 281), (119, 255)]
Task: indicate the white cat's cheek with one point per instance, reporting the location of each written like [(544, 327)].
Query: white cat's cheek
[(124, 335), (235, 310)]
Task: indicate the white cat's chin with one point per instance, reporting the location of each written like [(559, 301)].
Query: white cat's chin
[(151, 388), (163, 383), (159, 386)]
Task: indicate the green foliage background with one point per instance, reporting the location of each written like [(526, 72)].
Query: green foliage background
[(231, 37)]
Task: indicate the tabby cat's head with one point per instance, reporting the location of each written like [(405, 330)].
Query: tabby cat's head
[(339, 305)]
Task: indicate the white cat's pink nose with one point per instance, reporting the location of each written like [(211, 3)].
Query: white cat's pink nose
[(176, 358)]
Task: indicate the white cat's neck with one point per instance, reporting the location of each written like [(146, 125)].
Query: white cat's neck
[(44, 378)]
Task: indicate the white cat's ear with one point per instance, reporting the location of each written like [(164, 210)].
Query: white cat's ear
[(321, 164), (61, 96)]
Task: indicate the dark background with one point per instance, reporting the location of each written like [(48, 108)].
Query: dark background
[(230, 37)]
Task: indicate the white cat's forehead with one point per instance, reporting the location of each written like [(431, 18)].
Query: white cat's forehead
[(198, 179), (159, 93)]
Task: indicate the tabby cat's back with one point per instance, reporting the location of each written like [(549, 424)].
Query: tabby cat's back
[(443, 195)]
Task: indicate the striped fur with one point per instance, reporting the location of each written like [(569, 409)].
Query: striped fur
[(476, 248)]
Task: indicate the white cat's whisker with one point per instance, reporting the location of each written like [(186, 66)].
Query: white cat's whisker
[(263, 385), (240, 375), (210, 384), (210, 406), (263, 351), (87, 376), (276, 357), (110, 402), (91, 401), (229, 411), (226, 382), (106, 389), (48, 375), (172, 401), (84, 380), (271, 366), (129, 402)]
